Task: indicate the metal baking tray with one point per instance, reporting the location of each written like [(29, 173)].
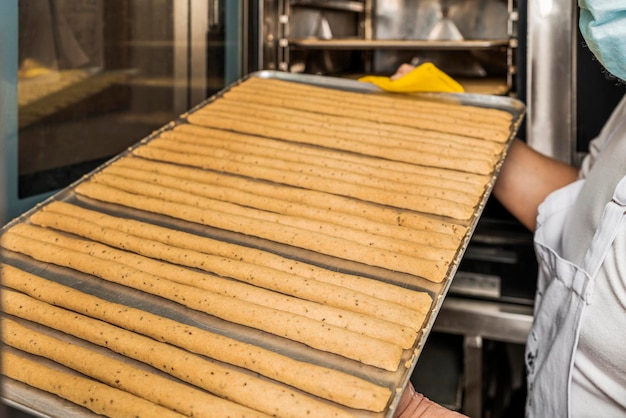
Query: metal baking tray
[(40, 403)]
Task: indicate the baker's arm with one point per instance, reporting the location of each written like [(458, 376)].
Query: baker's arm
[(526, 179)]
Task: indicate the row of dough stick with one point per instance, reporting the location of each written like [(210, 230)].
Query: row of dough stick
[(361, 164), (319, 242), (129, 182), (251, 194), (313, 135), (356, 211), (74, 214), (313, 333), (487, 124), (370, 131), (304, 161), (284, 282), (242, 388), (97, 397), (426, 153), (450, 110), (317, 182), (357, 322), (39, 296)]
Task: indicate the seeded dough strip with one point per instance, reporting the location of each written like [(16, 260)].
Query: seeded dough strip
[(393, 170), (95, 396), (317, 335), (324, 382), (160, 390), (415, 300), (325, 244), (250, 198), (368, 111), (267, 116), (363, 324), (309, 135), (309, 164), (268, 278), (351, 235), (325, 162), (231, 384), (361, 127), (396, 102), (433, 122), (311, 198), (412, 202)]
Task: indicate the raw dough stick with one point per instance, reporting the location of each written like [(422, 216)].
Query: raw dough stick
[(268, 278), (416, 300), (312, 333), (431, 119), (339, 133), (327, 159), (414, 202), (268, 203), (361, 127), (368, 325), (390, 170), (303, 159), (357, 130), (284, 234), (311, 166), (95, 396), (190, 198), (396, 102), (233, 385), (324, 382), (413, 119), (308, 135), (152, 387), (312, 198)]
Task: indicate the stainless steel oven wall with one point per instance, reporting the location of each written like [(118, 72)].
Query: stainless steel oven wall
[(285, 23), (446, 21), (467, 38), (552, 78)]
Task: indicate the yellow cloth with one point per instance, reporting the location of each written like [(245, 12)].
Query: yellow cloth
[(424, 78)]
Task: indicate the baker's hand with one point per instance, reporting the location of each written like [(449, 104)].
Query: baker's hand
[(402, 70), (415, 405)]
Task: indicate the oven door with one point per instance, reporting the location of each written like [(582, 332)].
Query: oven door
[(83, 80)]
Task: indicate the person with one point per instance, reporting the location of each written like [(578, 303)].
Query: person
[(575, 356)]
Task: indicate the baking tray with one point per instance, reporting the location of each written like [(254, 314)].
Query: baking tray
[(42, 404)]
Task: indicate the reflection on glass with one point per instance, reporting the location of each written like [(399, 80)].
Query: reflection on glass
[(95, 76)]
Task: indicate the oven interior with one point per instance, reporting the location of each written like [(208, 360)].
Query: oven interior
[(474, 41)]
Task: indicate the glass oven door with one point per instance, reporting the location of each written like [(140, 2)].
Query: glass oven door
[(84, 79)]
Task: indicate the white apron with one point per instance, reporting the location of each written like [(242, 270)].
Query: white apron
[(563, 292)]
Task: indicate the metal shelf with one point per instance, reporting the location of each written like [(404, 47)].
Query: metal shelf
[(345, 6), (363, 44)]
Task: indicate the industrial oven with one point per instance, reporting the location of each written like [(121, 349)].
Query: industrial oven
[(528, 49), (83, 80), (117, 70)]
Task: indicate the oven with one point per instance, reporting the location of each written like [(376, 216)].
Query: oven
[(83, 80), (528, 49)]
